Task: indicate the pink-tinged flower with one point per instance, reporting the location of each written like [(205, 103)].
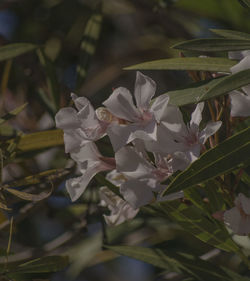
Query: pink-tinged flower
[(120, 210), (80, 126), (238, 218), (184, 141), (191, 138), (240, 102), (90, 162), (143, 179), (140, 121)]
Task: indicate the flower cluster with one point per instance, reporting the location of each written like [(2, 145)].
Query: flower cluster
[(150, 142)]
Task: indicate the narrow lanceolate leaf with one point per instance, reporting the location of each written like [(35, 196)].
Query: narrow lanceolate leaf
[(196, 222), (203, 91), (46, 176), (174, 262), (231, 34), (230, 83), (229, 155), (88, 46), (12, 113), (13, 50), (192, 93), (4, 206), (193, 63), (214, 45), (245, 3), (51, 78), (28, 196), (40, 140), (42, 265)]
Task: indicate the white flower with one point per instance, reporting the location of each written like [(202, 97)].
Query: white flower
[(240, 102), (143, 178), (138, 122), (120, 210), (238, 218), (183, 141), (90, 162), (80, 127)]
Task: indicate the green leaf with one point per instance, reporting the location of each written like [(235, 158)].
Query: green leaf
[(231, 34), (234, 275), (193, 92), (196, 222), (204, 90), (213, 45), (40, 140), (12, 113), (52, 81), (28, 196), (193, 63), (46, 176), (174, 262), (43, 265), (83, 254), (152, 256), (229, 155), (88, 46), (230, 83), (13, 50), (245, 3)]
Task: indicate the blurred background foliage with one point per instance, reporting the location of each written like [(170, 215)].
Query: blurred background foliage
[(82, 46)]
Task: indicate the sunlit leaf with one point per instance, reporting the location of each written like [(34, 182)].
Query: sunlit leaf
[(229, 155), (213, 45), (40, 140), (13, 50), (12, 113), (192, 63)]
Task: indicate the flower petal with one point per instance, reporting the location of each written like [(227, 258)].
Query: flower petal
[(87, 152), (136, 193), (242, 65), (160, 107), (240, 104), (131, 164), (66, 119), (245, 203), (77, 186), (144, 90), (73, 140), (120, 103), (80, 102), (120, 134), (239, 224), (209, 130), (120, 209), (196, 117)]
